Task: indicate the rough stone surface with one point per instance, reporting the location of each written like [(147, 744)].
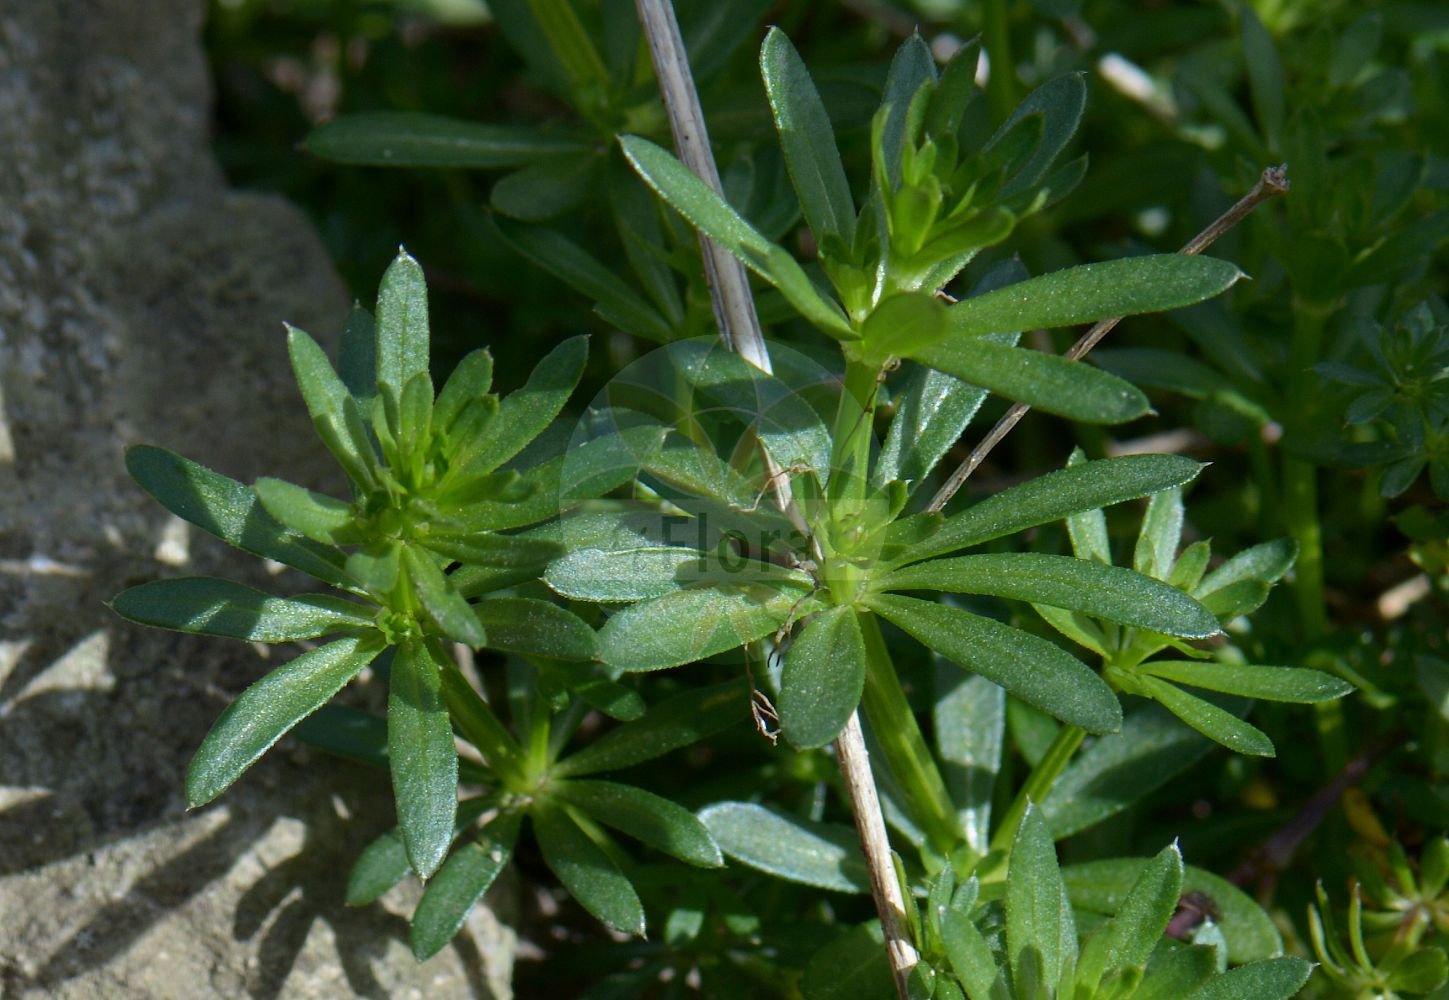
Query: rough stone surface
[(140, 300)]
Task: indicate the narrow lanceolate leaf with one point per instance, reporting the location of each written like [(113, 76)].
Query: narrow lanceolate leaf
[(357, 359), (1270, 979), (207, 606), (1054, 496), (1045, 381), (444, 605), (423, 757), (402, 325), (1214, 723), (1090, 292), (820, 854), (1041, 938), (316, 515), (539, 628), (325, 396), (930, 415), (1035, 670), (854, 965), (1060, 102), (691, 624), (807, 140), (1109, 592), (1294, 684), (230, 511), (1128, 939), (415, 139), (270, 707), (381, 865), (469, 383), (525, 413), (656, 821), (461, 883), (587, 871), (823, 677), (678, 722)]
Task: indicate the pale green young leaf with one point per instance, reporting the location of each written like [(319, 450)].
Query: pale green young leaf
[(1092, 588), (416, 139), (1265, 563), (902, 325), (401, 326), (648, 818), (1292, 684), (470, 381), (822, 679), (422, 755), (911, 67), (587, 871), (1089, 292), (823, 855), (1210, 720), (205, 605), (1035, 670), (445, 606), (1157, 542), (525, 413), (265, 711), (320, 517), (678, 722), (808, 141), (325, 396), (460, 883)]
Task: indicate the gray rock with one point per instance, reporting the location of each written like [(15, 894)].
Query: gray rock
[(140, 300)]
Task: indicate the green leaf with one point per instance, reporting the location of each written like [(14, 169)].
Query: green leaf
[(1118, 770), (1156, 549), (547, 188), (678, 722), (1213, 722), (266, 710), (970, 956), (1041, 938), (1421, 972), (646, 817), (1270, 979), (448, 609), (402, 325), (1265, 76), (381, 865), (347, 732), (537, 628), (1128, 939), (853, 965), (969, 713), (1089, 292), (422, 754), (461, 883), (1054, 496), (230, 511), (525, 413), (583, 272), (316, 515), (415, 139), (1060, 103), (808, 141), (1035, 670), (587, 871), (486, 549), (931, 412), (1293, 684), (697, 622), (822, 679), (326, 396), (903, 325), (824, 855), (1266, 563), (204, 605), (635, 574), (1109, 592), (1103, 886), (470, 382), (1047, 382), (911, 66), (357, 361)]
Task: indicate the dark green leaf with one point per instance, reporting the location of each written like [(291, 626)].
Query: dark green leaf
[(807, 140), (820, 854), (1294, 684), (1041, 938), (325, 396), (380, 866), (823, 677), (647, 817), (1109, 592), (207, 606), (1127, 941), (347, 732), (911, 66), (1060, 103), (1089, 292), (1265, 76), (970, 723), (1054, 496), (1213, 722), (357, 363), (401, 325), (852, 966), (682, 720), (423, 757), (415, 139), (270, 707), (460, 883), (538, 628), (587, 871), (1035, 670), (547, 188), (230, 511), (470, 382), (1270, 979)]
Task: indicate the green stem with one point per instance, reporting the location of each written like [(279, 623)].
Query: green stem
[(1038, 784), (903, 745), (850, 452), (1000, 84)]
